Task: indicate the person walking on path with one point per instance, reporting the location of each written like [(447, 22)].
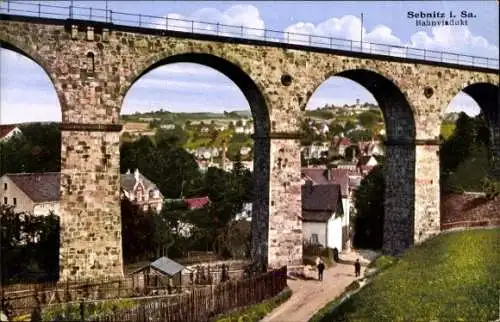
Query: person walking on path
[(321, 268), (357, 268)]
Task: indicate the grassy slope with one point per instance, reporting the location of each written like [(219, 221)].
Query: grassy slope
[(453, 277)]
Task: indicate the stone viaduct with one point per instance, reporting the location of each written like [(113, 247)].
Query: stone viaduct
[(92, 66)]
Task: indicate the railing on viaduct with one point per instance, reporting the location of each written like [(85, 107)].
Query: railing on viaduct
[(217, 29)]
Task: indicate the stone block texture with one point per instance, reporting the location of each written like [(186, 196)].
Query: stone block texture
[(93, 68)]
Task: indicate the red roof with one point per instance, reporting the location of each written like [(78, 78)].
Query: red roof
[(6, 129), (196, 203), (344, 141)]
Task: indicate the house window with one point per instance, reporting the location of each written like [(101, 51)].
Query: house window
[(15, 201), (4, 186), (314, 239), (5, 200)]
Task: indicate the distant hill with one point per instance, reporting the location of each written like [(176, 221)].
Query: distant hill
[(174, 117)]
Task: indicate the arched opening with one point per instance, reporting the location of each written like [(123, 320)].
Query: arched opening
[(469, 154), (30, 163), (202, 114), (372, 164), (90, 67)]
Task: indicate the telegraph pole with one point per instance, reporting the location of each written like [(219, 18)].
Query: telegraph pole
[(361, 31)]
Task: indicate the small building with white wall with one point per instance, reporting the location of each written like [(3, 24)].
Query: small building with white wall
[(322, 215), (34, 193)]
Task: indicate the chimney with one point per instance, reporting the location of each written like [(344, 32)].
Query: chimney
[(309, 186), (136, 174), (128, 171)]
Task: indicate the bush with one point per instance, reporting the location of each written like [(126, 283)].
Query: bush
[(382, 262), (491, 188), (256, 312), (72, 312)]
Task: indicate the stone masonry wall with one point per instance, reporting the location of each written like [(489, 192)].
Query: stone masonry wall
[(93, 68), (285, 223), (90, 206)]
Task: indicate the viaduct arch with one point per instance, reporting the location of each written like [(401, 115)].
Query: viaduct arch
[(277, 79)]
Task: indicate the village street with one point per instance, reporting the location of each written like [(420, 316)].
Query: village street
[(309, 296)]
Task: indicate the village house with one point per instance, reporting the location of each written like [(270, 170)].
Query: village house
[(366, 163), (197, 203), (205, 153), (339, 145), (315, 151), (371, 148), (322, 215), (185, 228), (169, 126), (8, 131), (323, 176), (35, 193), (141, 191), (39, 193)]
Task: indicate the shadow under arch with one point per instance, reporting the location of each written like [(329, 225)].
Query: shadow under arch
[(487, 96), (13, 46), (400, 157), (260, 114)]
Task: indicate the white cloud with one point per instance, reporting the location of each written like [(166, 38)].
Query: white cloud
[(457, 39), (194, 86), (39, 105), (205, 21), (464, 103)]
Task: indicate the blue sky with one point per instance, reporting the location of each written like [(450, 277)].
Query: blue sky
[(188, 87)]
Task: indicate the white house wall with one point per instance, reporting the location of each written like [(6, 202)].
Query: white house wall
[(335, 232), (44, 208), (23, 202), (318, 228)]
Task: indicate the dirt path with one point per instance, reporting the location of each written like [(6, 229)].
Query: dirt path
[(309, 296)]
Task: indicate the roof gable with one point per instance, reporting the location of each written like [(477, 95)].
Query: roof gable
[(321, 197), (316, 175), (167, 266), (5, 129), (39, 187), (128, 182)]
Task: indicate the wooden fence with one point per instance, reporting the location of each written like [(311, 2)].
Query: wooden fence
[(199, 304), (23, 298)]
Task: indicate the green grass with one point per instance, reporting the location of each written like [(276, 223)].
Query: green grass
[(453, 277), (256, 312), (382, 262)]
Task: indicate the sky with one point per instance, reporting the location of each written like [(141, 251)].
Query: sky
[(190, 87)]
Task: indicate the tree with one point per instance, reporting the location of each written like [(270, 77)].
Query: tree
[(176, 136), (459, 146), (173, 169), (38, 149), (29, 246), (369, 203)]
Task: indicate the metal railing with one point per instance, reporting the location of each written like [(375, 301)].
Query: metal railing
[(218, 29)]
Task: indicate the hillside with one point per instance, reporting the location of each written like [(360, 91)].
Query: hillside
[(468, 210), (180, 118), (453, 277)]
